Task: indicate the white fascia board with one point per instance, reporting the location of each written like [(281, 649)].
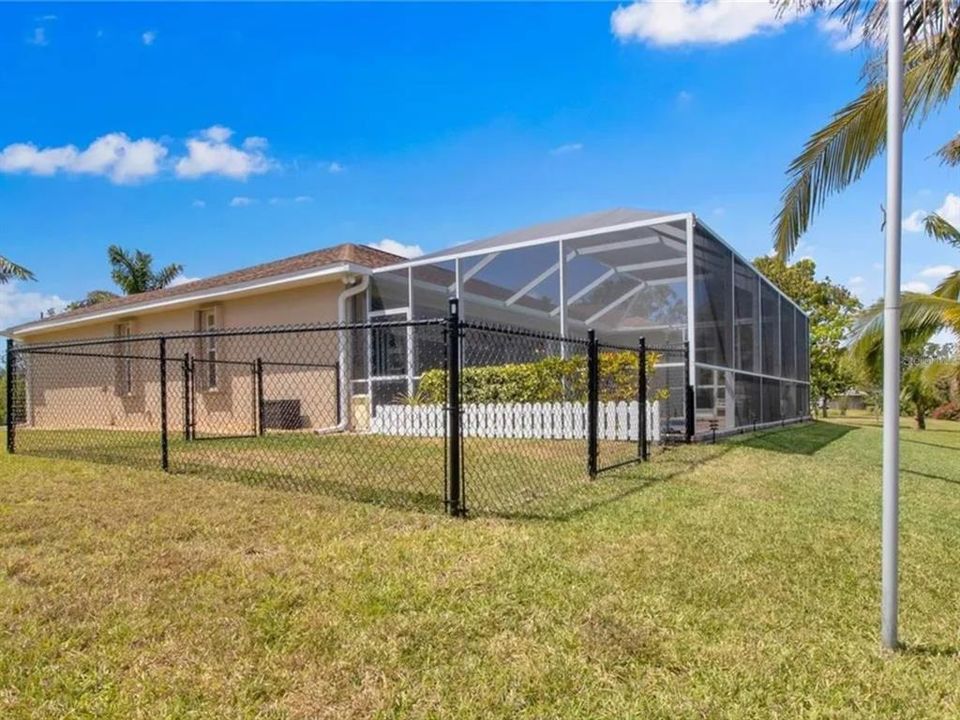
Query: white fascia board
[(222, 292), (453, 254)]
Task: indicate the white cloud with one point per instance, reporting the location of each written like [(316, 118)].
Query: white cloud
[(298, 200), (914, 221), (567, 149), (183, 280), (211, 154), (199, 203), (45, 18), (39, 37), (19, 306), (856, 280), (916, 286), (950, 210), (690, 22), (334, 167), (114, 155), (684, 97), (937, 272), (397, 248), (149, 37), (841, 35), (242, 201)]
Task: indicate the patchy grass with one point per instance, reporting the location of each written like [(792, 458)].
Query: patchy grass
[(736, 580)]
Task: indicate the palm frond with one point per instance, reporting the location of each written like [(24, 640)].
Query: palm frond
[(839, 153), (10, 270), (949, 287), (941, 229), (921, 317), (950, 152), (165, 276)]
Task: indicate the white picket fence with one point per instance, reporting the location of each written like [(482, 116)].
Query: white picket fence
[(546, 421)]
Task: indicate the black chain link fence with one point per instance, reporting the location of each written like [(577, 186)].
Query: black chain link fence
[(425, 414)]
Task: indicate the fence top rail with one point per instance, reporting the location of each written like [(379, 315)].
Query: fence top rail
[(228, 332), (522, 332)]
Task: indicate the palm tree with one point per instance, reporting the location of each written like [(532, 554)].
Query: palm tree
[(9, 270), (838, 154), (133, 273), (922, 315)]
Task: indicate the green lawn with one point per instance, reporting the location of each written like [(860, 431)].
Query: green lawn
[(736, 580)]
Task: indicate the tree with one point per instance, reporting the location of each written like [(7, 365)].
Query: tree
[(832, 310), (93, 297), (134, 273), (922, 315), (9, 270), (838, 154)]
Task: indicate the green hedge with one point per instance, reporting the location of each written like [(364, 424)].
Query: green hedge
[(551, 379)]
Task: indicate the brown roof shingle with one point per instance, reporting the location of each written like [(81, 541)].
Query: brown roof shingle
[(358, 254)]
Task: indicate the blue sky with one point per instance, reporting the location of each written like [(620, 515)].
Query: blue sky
[(253, 132)]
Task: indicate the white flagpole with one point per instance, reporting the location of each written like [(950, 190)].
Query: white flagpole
[(891, 327)]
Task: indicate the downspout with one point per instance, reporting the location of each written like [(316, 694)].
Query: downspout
[(343, 357)]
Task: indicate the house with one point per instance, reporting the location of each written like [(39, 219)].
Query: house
[(740, 343)]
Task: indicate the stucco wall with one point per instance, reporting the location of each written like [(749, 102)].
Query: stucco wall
[(71, 391)]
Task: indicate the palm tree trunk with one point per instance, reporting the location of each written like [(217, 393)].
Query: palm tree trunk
[(921, 419)]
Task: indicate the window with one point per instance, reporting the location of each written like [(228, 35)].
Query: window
[(207, 321), (124, 381)]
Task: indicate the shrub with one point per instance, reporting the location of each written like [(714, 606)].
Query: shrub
[(551, 379), (947, 411)]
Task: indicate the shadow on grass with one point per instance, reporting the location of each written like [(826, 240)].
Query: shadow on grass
[(929, 650), (521, 484), (928, 444), (806, 439)]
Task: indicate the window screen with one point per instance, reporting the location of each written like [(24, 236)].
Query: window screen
[(770, 329), (713, 314), (788, 339), (388, 290), (746, 317), (748, 409)]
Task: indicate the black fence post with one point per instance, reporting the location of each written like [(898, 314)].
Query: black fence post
[(164, 445), (642, 409), (337, 395), (186, 396), (258, 369), (593, 400), (11, 425), (454, 479), (689, 398)]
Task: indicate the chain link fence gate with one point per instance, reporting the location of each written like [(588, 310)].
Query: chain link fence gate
[(493, 419)]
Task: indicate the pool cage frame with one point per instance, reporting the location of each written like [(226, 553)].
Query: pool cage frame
[(747, 364)]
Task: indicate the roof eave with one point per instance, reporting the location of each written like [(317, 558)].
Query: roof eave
[(217, 293)]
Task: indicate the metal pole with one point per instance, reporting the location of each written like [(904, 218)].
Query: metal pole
[(593, 400), (642, 381), (164, 444), (688, 395), (186, 396), (454, 492), (258, 369), (10, 376), (891, 328)]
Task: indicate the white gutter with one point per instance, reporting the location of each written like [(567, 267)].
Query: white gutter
[(343, 356), (249, 287)]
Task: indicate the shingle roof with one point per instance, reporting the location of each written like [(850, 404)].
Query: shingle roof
[(358, 254)]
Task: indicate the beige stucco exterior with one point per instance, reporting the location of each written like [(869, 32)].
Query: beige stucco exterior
[(89, 389)]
